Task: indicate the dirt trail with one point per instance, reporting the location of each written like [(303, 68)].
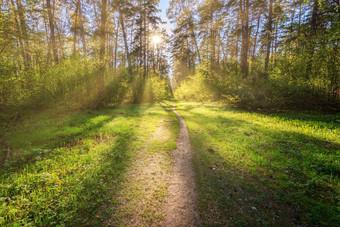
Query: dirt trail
[(159, 188), (144, 191), (181, 204)]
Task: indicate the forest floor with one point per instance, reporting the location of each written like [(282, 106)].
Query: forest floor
[(143, 165), (260, 169)]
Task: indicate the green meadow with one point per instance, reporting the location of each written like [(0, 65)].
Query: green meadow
[(64, 167), (263, 169)]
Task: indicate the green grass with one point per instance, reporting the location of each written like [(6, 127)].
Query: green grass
[(258, 169), (253, 169), (64, 168), (145, 189)]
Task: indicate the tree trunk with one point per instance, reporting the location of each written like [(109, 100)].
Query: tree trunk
[(121, 20), (116, 45), (245, 38), (195, 40), (102, 32), (269, 35), (20, 40), (75, 27), (52, 32), (82, 29), (256, 34), (313, 26), (23, 27)]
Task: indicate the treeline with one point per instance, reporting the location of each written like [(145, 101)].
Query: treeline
[(84, 54), (257, 53)]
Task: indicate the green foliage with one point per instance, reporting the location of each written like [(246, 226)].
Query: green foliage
[(279, 91), (76, 84), (27, 88), (293, 63), (160, 88), (196, 87)]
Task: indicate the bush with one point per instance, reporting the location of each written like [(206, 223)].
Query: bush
[(279, 91)]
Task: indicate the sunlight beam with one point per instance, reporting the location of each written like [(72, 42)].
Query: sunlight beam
[(156, 39)]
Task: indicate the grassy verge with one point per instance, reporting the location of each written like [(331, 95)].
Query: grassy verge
[(144, 190), (63, 168), (265, 169)]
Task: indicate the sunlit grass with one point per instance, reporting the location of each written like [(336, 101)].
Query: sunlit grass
[(256, 169), (64, 167)]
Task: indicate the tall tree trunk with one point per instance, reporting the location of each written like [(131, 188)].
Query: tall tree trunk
[(256, 34), (75, 27), (194, 38), (52, 32), (82, 29), (269, 35), (144, 43), (116, 45), (245, 37), (300, 15), (219, 44), (102, 36), (102, 32), (121, 20), (311, 49), (292, 21), (20, 42), (23, 27)]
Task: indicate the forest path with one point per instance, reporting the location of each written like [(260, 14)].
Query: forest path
[(144, 191), (180, 208), (159, 188)]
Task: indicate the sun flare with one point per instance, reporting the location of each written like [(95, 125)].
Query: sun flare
[(156, 39)]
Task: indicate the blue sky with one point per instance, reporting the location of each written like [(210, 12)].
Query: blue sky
[(163, 5)]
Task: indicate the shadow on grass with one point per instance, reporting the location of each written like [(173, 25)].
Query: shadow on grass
[(250, 174), (101, 186), (85, 189), (21, 161)]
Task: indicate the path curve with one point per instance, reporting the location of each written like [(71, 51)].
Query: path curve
[(181, 204)]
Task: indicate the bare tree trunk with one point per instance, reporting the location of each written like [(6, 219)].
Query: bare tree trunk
[(194, 38), (20, 42), (256, 34), (269, 35), (144, 43), (116, 45), (82, 29), (245, 38), (52, 32), (121, 20), (102, 36), (23, 27), (75, 27), (102, 31), (313, 25), (219, 43)]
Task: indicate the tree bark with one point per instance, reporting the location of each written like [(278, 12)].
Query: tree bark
[(245, 37), (102, 32), (195, 40), (256, 34), (269, 35), (82, 29), (52, 32), (75, 27), (121, 20), (311, 45), (23, 28)]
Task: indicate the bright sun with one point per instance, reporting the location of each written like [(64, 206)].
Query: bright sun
[(156, 39)]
